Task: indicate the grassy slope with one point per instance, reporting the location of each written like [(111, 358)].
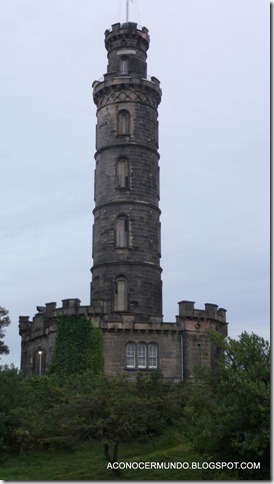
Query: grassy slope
[(87, 462)]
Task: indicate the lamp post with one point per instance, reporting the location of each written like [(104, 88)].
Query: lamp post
[(40, 361)]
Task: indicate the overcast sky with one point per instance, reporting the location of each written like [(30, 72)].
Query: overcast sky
[(212, 58)]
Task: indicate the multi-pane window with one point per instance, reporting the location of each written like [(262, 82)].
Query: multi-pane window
[(152, 356), (120, 294), (122, 173), (124, 66), (122, 231), (123, 122), (142, 356), (131, 355)]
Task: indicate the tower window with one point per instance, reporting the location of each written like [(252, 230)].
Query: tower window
[(124, 66), (131, 355), (122, 173), (123, 122), (152, 355), (120, 294), (122, 231), (142, 355)]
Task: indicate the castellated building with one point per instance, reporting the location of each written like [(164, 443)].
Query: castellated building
[(126, 288)]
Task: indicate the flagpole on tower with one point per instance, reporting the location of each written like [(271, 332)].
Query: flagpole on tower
[(127, 9)]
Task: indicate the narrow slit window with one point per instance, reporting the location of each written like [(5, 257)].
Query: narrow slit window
[(122, 173), (199, 358), (124, 66), (123, 122), (122, 232), (120, 296)]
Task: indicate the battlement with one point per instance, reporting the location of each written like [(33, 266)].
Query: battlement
[(211, 312), (50, 312), (127, 30), (126, 37)]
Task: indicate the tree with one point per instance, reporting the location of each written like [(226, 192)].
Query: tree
[(11, 384), (115, 410), (228, 413), (4, 322), (31, 424)]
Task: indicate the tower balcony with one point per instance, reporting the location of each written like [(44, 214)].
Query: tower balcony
[(109, 86)]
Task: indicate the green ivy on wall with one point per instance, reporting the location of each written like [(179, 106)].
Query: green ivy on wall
[(78, 347)]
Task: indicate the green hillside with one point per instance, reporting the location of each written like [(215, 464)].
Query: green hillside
[(87, 462), (69, 426)]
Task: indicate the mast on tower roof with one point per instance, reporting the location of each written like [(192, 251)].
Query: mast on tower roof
[(127, 10)]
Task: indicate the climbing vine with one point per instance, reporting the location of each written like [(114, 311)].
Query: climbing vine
[(78, 347)]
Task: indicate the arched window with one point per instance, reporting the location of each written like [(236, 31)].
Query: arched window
[(123, 122), (122, 231), (152, 355), (120, 294), (122, 173), (141, 355), (131, 355), (124, 66)]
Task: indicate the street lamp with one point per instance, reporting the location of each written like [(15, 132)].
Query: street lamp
[(40, 352)]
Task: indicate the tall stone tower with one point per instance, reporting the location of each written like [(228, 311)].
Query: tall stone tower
[(126, 272), (126, 289)]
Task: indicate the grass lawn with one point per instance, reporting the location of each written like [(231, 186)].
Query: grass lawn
[(87, 462)]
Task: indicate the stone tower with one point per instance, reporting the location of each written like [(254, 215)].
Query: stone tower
[(126, 289), (126, 272)]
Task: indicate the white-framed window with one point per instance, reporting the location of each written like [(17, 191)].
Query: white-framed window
[(141, 355), (131, 355), (120, 294), (122, 231), (152, 355)]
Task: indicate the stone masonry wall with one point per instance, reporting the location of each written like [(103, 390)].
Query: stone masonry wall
[(168, 341)]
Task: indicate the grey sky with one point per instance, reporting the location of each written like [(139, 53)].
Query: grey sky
[(212, 58)]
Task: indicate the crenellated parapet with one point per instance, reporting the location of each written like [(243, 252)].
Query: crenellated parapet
[(197, 347), (50, 312), (127, 36), (38, 335), (210, 312)]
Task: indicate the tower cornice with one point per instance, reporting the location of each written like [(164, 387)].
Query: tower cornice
[(124, 263), (131, 144), (126, 202)]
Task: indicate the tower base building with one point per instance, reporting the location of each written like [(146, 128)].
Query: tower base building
[(126, 288), (130, 345)]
